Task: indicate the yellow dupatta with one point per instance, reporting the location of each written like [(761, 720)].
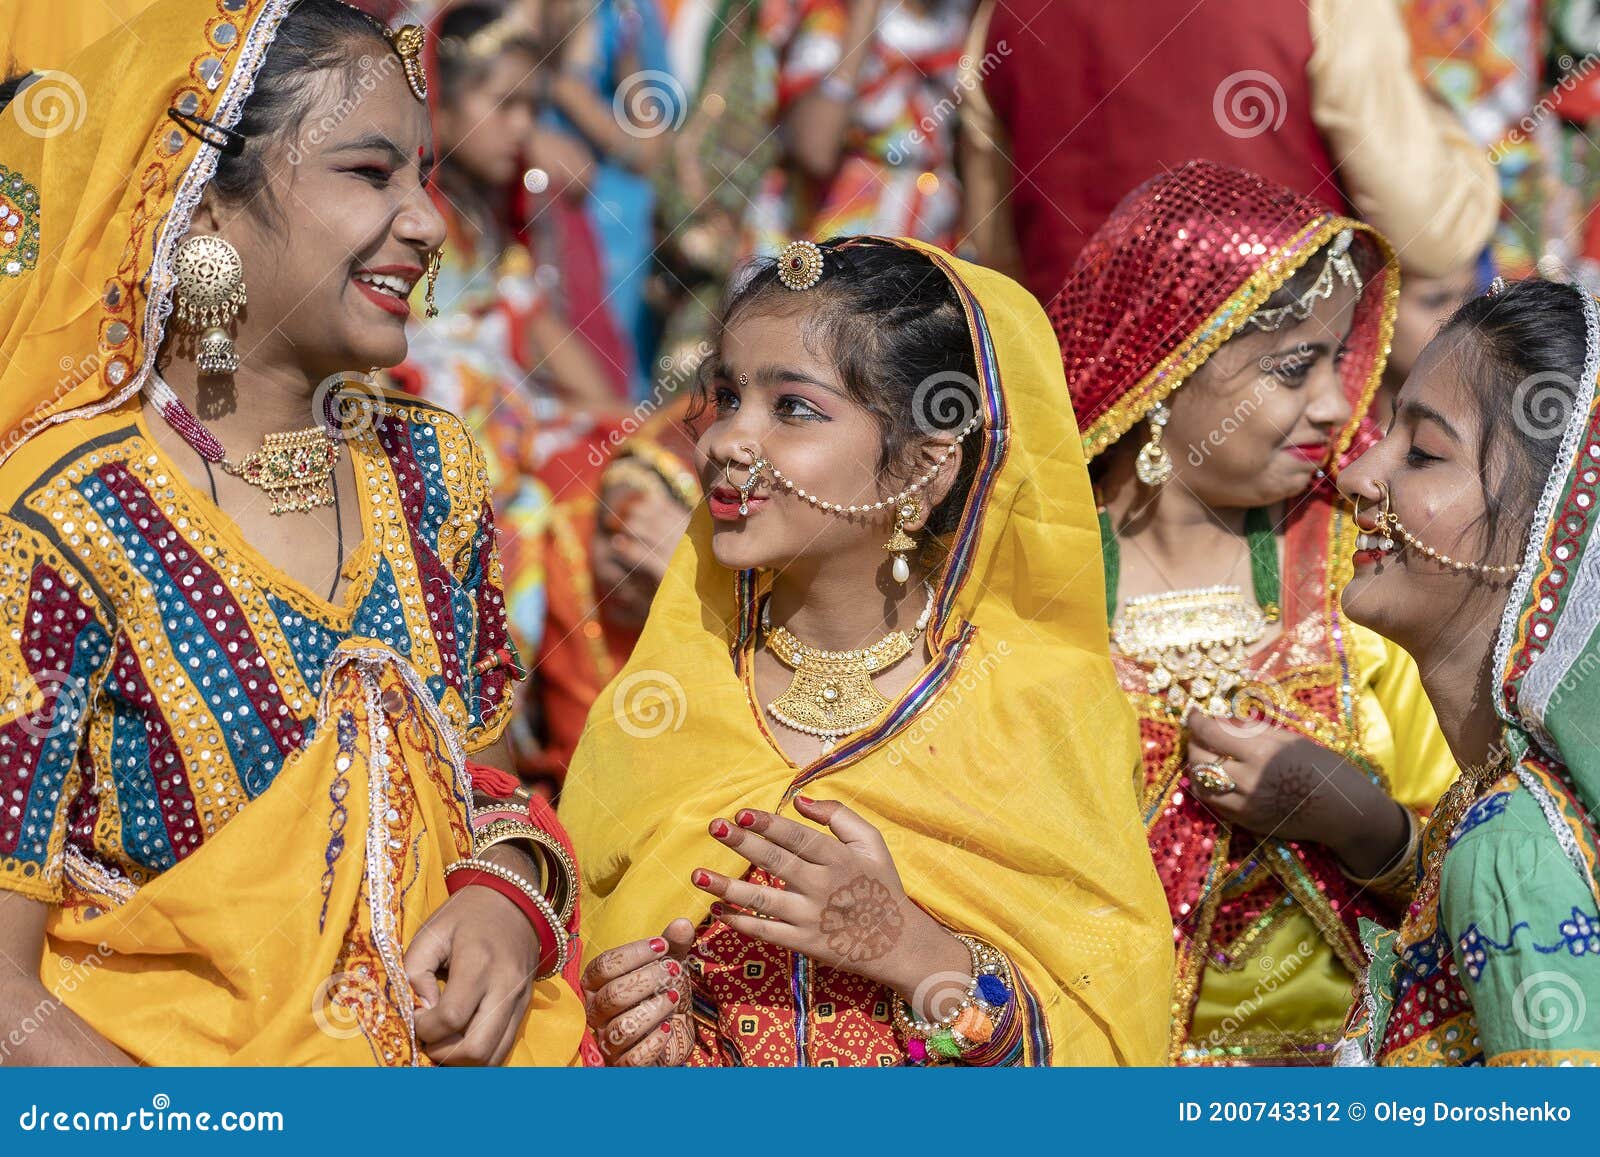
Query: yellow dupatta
[(37, 36), (1003, 779), (280, 941)]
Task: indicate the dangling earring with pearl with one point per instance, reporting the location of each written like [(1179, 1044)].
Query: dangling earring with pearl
[(900, 542)]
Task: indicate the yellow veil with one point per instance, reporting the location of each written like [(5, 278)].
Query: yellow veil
[(104, 185), (39, 36), (1003, 779)]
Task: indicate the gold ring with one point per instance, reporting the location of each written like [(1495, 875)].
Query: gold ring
[(1209, 775)]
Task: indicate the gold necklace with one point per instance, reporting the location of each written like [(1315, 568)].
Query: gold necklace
[(1451, 809), (295, 469), (831, 694), (1194, 642)]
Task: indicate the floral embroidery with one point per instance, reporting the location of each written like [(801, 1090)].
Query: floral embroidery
[(1473, 954), (1580, 936), (19, 224)]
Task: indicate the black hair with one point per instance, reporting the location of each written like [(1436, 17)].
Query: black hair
[(10, 86), (458, 69), (898, 337), (316, 36), (1523, 363)]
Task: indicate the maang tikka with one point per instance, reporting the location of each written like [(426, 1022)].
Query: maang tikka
[(210, 294)]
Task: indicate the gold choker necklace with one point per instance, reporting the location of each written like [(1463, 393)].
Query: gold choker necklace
[(1194, 642), (831, 694), (295, 469)]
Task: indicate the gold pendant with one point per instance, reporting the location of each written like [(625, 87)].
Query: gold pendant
[(295, 469), (832, 694), (1194, 643)]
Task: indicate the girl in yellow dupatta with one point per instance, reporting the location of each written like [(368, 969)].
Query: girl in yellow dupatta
[(234, 758), (983, 790)]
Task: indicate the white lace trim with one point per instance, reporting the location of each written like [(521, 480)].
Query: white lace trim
[(370, 661), (1533, 553)]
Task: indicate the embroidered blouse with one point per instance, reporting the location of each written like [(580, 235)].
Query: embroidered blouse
[(158, 670)]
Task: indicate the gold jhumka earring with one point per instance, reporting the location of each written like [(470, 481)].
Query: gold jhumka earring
[(900, 543), (210, 294), (1154, 465)]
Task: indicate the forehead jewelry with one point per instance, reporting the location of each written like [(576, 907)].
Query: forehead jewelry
[(1389, 524), (1338, 264), (408, 41), (800, 265)]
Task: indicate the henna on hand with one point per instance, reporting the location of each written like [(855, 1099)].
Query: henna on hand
[(862, 921)]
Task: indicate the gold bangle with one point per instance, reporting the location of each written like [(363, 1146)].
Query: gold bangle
[(560, 873), (558, 929), (1399, 880)]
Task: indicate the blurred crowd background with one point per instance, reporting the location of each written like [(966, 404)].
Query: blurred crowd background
[(606, 165)]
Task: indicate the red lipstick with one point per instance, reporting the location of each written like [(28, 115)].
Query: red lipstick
[(724, 504), (1314, 452)]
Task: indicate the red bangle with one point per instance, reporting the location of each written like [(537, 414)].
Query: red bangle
[(551, 957)]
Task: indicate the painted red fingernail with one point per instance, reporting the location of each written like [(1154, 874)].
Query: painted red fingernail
[(716, 909), (672, 995), (805, 799), (720, 830), (658, 945), (746, 819), (666, 1026), (673, 968), (700, 878)]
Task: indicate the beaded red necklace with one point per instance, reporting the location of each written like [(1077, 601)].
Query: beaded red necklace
[(295, 469)]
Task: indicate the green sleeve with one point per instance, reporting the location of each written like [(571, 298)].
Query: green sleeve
[(1526, 936)]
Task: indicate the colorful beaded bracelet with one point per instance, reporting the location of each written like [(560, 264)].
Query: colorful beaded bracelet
[(972, 1023)]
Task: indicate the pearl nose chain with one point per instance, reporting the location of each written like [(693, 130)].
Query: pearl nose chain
[(927, 476), (1389, 525)]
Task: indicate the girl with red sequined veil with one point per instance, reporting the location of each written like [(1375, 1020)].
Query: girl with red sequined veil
[(1223, 337)]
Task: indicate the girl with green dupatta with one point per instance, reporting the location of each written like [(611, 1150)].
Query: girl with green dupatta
[(1478, 555)]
